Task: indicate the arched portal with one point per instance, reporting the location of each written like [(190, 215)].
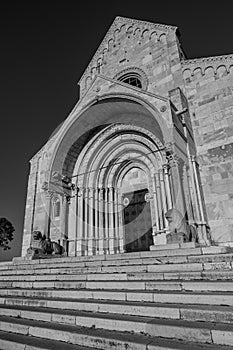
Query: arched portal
[(97, 149), (104, 171)]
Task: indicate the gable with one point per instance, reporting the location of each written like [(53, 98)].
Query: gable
[(128, 43)]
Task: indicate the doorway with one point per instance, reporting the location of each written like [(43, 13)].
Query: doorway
[(137, 221)]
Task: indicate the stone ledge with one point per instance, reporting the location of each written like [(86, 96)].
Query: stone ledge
[(173, 246)]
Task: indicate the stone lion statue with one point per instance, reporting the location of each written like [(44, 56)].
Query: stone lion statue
[(178, 228), (41, 245)]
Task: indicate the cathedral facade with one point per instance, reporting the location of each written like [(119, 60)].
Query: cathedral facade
[(145, 154)]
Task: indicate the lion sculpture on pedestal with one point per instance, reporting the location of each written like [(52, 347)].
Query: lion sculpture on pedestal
[(179, 230), (41, 245)]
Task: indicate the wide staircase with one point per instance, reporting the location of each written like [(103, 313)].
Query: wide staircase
[(173, 297)]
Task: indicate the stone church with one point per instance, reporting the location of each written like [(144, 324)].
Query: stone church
[(145, 157), (128, 225)]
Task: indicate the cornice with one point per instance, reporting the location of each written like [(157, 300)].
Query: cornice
[(210, 59), (123, 20)]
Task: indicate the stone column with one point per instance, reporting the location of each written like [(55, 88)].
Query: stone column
[(86, 217), (163, 196), (161, 237), (167, 186), (63, 222), (156, 213), (116, 220), (197, 187), (101, 221), (91, 221), (106, 221), (80, 218), (111, 221), (159, 202), (64, 208), (48, 203), (178, 202), (202, 232), (190, 194), (194, 193), (96, 220), (120, 222), (72, 229)]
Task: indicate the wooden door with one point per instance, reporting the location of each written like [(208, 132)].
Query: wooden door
[(137, 221)]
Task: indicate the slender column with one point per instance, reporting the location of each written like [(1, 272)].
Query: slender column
[(116, 220), (72, 222), (80, 221), (63, 223), (161, 237), (106, 221), (159, 202), (194, 191), (178, 202), (156, 226), (163, 195), (97, 220), (202, 232), (111, 221), (190, 193), (101, 221), (167, 187), (91, 221), (198, 190), (63, 216), (86, 216), (120, 221), (47, 205)]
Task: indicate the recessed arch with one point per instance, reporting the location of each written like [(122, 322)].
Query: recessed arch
[(116, 141), (98, 116)]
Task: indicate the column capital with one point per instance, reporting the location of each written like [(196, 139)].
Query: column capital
[(160, 171), (86, 192), (174, 160), (166, 166), (168, 147), (80, 191), (91, 192), (193, 158), (101, 193)]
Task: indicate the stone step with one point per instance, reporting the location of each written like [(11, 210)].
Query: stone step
[(90, 264), (10, 297), (208, 275), (9, 341), (115, 259), (97, 339), (70, 309), (27, 280), (164, 265), (152, 267), (198, 332), (131, 284), (165, 252)]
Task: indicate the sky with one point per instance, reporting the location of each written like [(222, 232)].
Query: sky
[(45, 48)]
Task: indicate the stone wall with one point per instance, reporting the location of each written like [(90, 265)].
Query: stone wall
[(209, 89)]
